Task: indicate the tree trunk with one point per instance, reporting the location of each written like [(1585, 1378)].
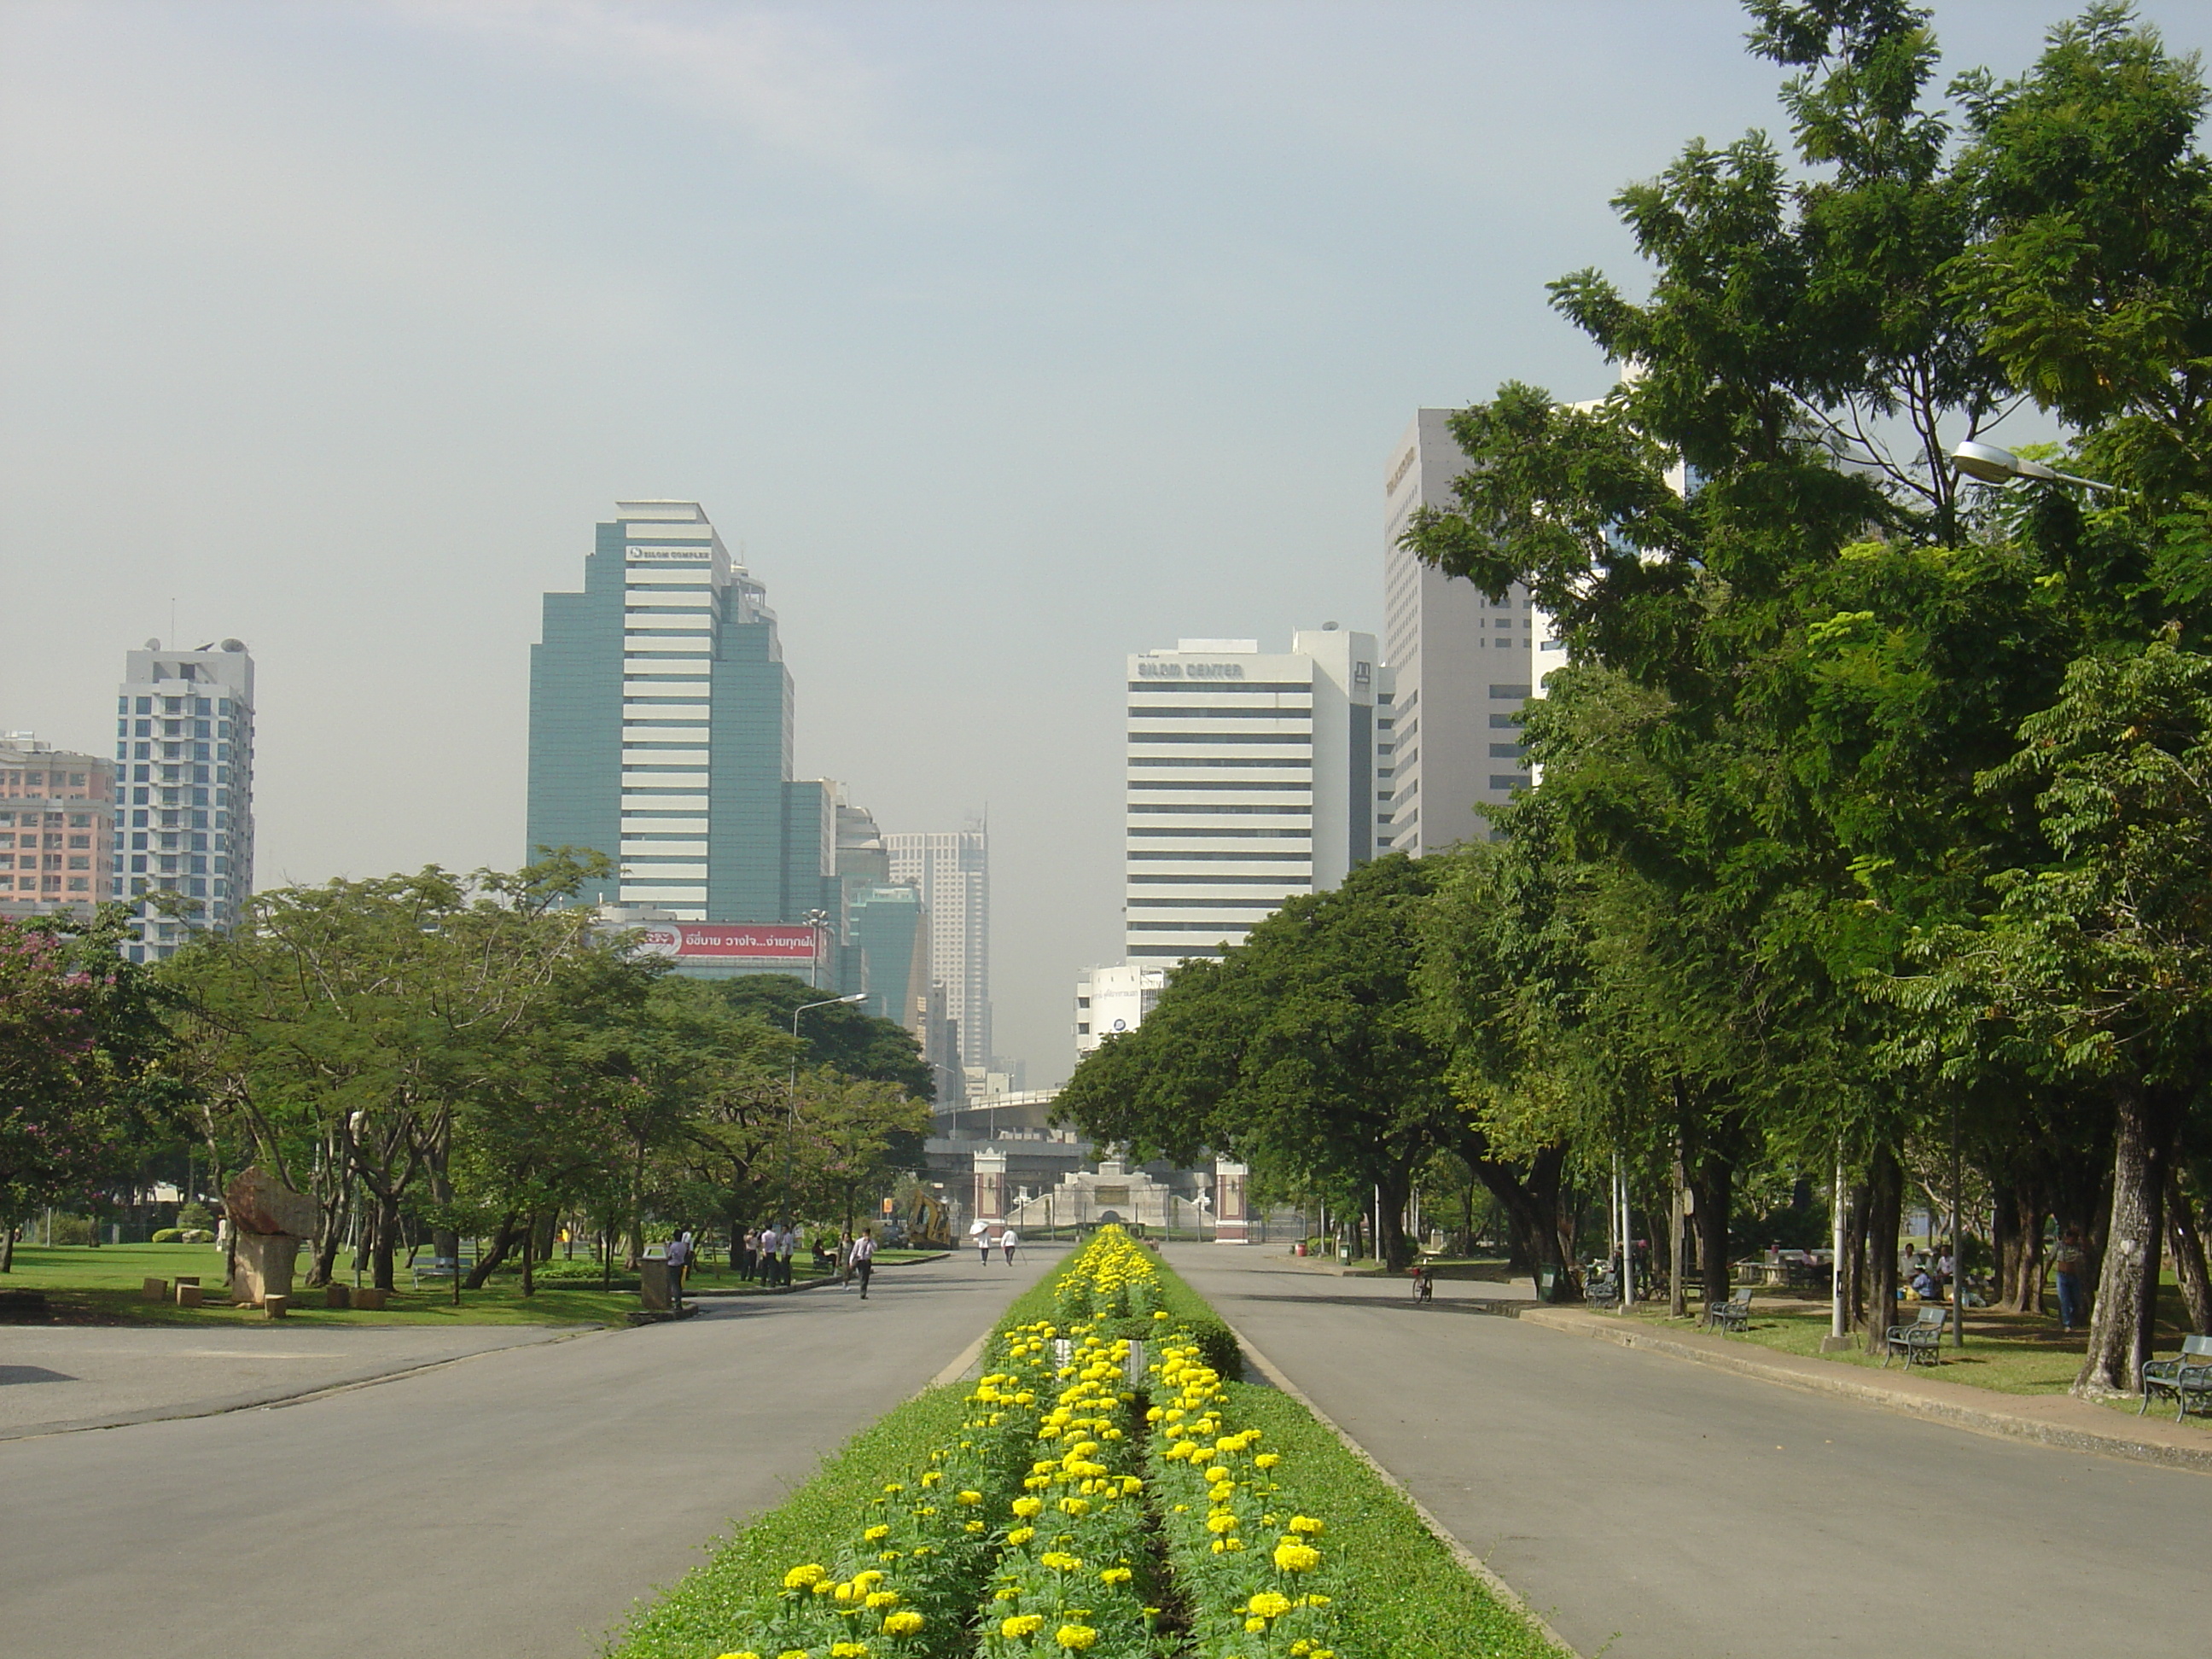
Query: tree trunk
[(1678, 1287), (529, 1254), (2018, 1241), (1391, 1244), (8, 1248), (1884, 1211), (1713, 1182), (387, 1237), (2188, 1246), (2120, 1323), (503, 1241)]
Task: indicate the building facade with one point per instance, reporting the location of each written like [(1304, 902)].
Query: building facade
[(1463, 665), (57, 828), (1251, 777), (661, 731), (1111, 1000), (951, 872), (184, 777)]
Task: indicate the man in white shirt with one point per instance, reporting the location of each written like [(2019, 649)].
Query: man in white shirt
[(1007, 1240), (769, 1241), (786, 1240), (679, 1258), (864, 1258)]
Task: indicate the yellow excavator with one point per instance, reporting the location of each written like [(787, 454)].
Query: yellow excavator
[(928, 1222)]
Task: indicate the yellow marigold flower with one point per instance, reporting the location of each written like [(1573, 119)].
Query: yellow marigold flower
[(746, 1655), (971, 1498), (902, 1623), (868, 1580), (1256, 1624), (800, 1577), (1007, 1593), (1268, 1604), (848, 1650), (1021, 1535), (1291, 1556), (1307, 1525), (895, 1488), (795, 1653), (1060, 1560), (1026, 1506), (1075, 1506), (1075, 1637), (1222, 1521), (1021, 1625), (1115, 1575), (881, 1599), (975, 1526), (1268, 1459), (874, 1533)]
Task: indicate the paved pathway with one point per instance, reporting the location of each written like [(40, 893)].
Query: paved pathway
[(1655, 1509), (55, 1377), (512, 1506)]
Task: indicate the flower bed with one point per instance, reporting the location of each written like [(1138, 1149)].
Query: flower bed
[(1099, 1497)]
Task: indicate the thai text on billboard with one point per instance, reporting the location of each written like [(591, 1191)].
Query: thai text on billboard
[(751, 941)]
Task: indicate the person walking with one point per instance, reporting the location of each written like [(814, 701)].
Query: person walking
[(844, 1264), (786, 1241), (2072, 1262), (1007, 1240), (983, 1243), (767, 1264), (864, 1258)]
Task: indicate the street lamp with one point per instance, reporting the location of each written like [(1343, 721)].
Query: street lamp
[(791, 1093), (1987, 464)]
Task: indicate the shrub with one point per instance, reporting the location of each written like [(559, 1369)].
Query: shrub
[(196, 1218), (169, 1235)]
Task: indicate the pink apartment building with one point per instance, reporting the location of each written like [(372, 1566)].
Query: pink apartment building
[(57, 828)]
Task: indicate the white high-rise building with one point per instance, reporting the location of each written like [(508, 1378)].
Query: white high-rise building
[(1251, 778), (183, 791), (951, 870), (1462, 665)]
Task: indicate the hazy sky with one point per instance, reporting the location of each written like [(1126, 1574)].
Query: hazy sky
[(1005, 339)]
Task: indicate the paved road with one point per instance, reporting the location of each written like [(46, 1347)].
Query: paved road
[(62, 1376), (511, 1505), (1655, 1509)]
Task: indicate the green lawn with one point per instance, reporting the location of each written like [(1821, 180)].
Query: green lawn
[(2005, 1352), (102, 1286)]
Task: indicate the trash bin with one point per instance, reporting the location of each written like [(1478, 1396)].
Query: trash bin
[(1548, 1282)]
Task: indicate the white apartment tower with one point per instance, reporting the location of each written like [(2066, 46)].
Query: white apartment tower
[(183, 791), (951, 870), (1251, 778), (1462, 666)]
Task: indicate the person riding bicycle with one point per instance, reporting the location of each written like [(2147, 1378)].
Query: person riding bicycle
[(1425, 1282)]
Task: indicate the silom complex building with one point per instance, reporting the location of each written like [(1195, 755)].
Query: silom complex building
[(1463, 665), (661, 731)]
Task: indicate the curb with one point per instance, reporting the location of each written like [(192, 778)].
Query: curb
[(1955, 1414), (1467, 1558)]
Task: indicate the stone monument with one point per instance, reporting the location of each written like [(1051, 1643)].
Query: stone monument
[(268, 1222)]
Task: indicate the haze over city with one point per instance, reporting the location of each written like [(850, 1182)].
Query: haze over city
[(999, 340)]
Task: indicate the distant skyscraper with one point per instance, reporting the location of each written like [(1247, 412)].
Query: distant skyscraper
[(184, 732), (1251, 777), (951, 871), (57, 828), (1461, 666), (661, 731)]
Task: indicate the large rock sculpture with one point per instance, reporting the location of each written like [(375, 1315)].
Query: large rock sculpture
[(268, 1220)]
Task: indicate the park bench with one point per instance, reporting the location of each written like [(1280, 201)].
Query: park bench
[(2186, 1376), (1922, 1341), (440, 1269), (1730, 1315)]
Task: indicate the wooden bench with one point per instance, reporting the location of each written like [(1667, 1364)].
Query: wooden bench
[(1730, 1315), (1922, 1341), (442, 1270), (2186, 1376)]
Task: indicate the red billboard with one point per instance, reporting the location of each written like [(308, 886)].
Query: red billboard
[(753, 941)]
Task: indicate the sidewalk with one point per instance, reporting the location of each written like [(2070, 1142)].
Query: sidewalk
[(2051, 1419)]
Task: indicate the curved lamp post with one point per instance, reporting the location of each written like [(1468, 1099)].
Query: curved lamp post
[(1987, 464), (790, 1094)]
